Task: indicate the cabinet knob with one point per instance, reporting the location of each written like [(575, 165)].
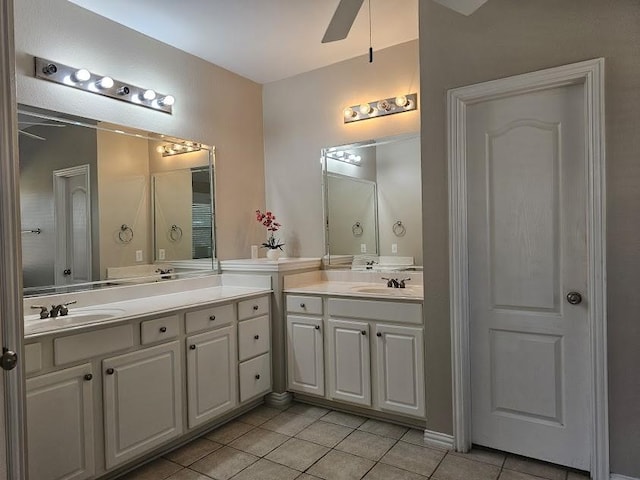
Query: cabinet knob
[(363, 332), (378, 334), (317, 327), (257, 376), (256, 307), (88, 377), (302, 305), (212, 318), (192, 347), (110, 371), (256, 337), (163, 329)]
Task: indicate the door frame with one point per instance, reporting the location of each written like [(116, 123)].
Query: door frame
[(589, 73)]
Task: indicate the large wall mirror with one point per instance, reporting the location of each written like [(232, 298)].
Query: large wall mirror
[(103, 204), (373, 204)]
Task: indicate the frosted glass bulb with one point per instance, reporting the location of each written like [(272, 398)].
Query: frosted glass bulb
[(167, 100), (349, 113), (105, 82), (401, 101), (149, 95), (81, 75), (365, 109), (160, 149), (340, 154)]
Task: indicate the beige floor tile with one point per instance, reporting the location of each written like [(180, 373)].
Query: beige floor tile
[(417, 459), (193, 451), (414, 436), (485, 455), (297, 454), (383, 428), (513, 475), (259, 441), (306, 476), (224, 463), (341, 466), (535, 467), (324, 433), (346, 419), (229, 432), (578, 476), (387, 472), (259, 415), (455, 467), (288, 423), (266, 470), (366, 445), (158, 469), (187, 474), (308, 410)]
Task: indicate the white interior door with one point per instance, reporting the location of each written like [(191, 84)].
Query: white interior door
[(73, 225), (527, 252)]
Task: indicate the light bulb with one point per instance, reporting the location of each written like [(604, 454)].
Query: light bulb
[(384, 105), (340, 154), (167, 101), (402, 101), (357, 159), (105, 82), (81, 75), (365, 109), (149, 95), (352, 156), (160, 149), (349, 113)]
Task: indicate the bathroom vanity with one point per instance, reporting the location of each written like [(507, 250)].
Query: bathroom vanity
[(115, 380)]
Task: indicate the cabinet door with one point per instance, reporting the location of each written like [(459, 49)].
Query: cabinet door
[(211, 374), (400, 369), (60, 425), (349, 361), (142, 401), (305, 355)]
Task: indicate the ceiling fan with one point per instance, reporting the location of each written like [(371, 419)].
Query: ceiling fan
[(347, 11)]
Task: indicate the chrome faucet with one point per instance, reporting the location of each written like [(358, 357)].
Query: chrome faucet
[(56, 310), (395, 283)]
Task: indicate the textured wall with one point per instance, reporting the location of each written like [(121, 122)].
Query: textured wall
[(213, 105), (508, 37)]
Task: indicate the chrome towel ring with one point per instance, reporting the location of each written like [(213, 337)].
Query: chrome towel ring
[(175, 234), (125, 234)]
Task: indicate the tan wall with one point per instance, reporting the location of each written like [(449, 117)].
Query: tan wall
[(507, 37), (172, 206), (303, 114), (213, 105)]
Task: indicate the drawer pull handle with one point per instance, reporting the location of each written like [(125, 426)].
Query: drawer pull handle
[(302, 305), (163, 329), (317, 327), (257, 376), (363, 332), (88, 377), (212, 318), (192, 347), (256, 307), (110, 371), (257, 337), (378, 334)]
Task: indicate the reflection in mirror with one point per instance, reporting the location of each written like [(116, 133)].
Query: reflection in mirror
[(373, 200), (86, 206)]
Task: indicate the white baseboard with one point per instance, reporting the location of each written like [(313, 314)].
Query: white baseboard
[(615, 476), (437, 439), (278, 400)]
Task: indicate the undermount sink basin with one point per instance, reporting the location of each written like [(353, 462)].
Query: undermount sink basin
[(80, 315), (384, 290)]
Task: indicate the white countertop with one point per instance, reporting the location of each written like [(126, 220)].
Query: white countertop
[(355, 289)]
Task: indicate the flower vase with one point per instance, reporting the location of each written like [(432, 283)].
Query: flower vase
[(273, 253)]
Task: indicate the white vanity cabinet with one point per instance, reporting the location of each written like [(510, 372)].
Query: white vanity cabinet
[(60, 425), (142, 401), (211, 374), (254, 343)]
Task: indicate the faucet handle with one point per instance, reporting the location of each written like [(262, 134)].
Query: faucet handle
[(44, 311), (401, 282), (389, 281)]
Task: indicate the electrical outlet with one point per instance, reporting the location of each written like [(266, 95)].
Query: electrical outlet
[(161, 254), (394, 248), (138, 255), (363, 248)]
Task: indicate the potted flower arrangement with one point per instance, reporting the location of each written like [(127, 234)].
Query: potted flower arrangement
[(273, 246)]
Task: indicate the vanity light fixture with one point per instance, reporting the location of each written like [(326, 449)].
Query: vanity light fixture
[(343, 156), (83, 79), (171, 149), (380, 108)]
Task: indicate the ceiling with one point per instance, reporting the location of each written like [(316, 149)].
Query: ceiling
[(263, 40)]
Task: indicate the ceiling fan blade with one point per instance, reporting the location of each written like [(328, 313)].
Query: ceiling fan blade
[(465, 7), (31, 135), (342, 20)]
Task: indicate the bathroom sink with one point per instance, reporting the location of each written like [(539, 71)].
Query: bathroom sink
[(77, 316), (384, 290)]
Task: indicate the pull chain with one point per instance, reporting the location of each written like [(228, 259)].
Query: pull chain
[(370, 43)]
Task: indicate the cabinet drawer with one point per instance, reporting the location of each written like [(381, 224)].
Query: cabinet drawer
[(253, 308), (208, 318), (253, 337), (303, 304), (92, 344), (32, 358), (255, 377), (398, 312), (160, 329)]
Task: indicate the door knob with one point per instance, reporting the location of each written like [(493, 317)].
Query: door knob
[(574, 298), (9, 359)]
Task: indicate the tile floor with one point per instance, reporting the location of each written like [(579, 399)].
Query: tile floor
[(305, 442)]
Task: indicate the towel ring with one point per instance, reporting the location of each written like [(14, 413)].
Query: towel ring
[(125, 234), (399, 229), (357, 229), (175, 233)]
